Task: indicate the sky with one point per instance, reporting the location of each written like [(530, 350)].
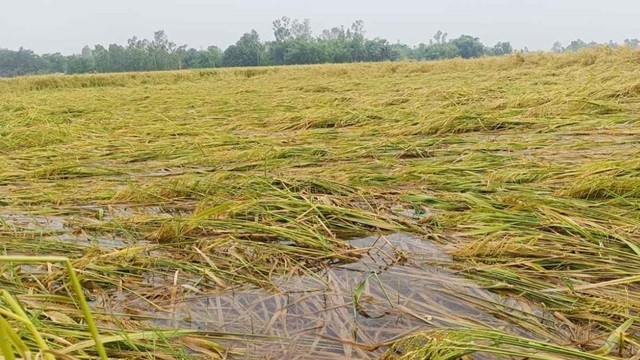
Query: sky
[(67, 25)]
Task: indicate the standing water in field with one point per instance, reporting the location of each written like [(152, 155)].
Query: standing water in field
[(351, 310)]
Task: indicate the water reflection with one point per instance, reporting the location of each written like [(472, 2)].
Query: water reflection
[(351, 310)]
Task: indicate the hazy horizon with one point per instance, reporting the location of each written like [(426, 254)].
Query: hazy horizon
[(47, 26)]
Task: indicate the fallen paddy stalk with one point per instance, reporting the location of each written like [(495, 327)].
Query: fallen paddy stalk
[(79, 297), (520, 174)]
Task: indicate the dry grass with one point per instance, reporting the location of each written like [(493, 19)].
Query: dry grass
[(162, 187)]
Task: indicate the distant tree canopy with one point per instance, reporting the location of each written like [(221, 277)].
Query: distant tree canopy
[(22, 62), (294, 44), (578, 44), (246, 52)]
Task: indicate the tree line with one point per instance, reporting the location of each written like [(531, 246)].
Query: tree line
[(294, 44)]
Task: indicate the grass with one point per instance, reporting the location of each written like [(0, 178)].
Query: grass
[(164, 187)]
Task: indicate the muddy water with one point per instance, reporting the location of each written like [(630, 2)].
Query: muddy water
[(400, 285), (349, 311), (55, 228), (32, 222)]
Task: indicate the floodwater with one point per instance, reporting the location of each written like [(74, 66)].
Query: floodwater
[(55, 228), (350, 310), (400, 285), (32, 222)]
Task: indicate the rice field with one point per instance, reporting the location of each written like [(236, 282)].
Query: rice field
[(460, 209)]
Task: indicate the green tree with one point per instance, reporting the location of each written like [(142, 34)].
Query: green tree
[(163, 52), (246, 52), (77, 64), (118, 58), (439, 38), (304, 51), (139, 57), (501, 48), (557, 47), (356, 40), (199, 59), (57, 63), (101, 59), (82, 63), (336, 45), (401, 51), (435, 51), (301, 30), (469, 46), (378, 50), (21, 62), (576, 45), (282, 29)]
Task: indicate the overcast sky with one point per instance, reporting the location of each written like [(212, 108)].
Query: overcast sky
[(67, 25)]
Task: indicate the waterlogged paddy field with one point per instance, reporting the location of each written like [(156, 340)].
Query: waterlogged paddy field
[(457, 209)]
